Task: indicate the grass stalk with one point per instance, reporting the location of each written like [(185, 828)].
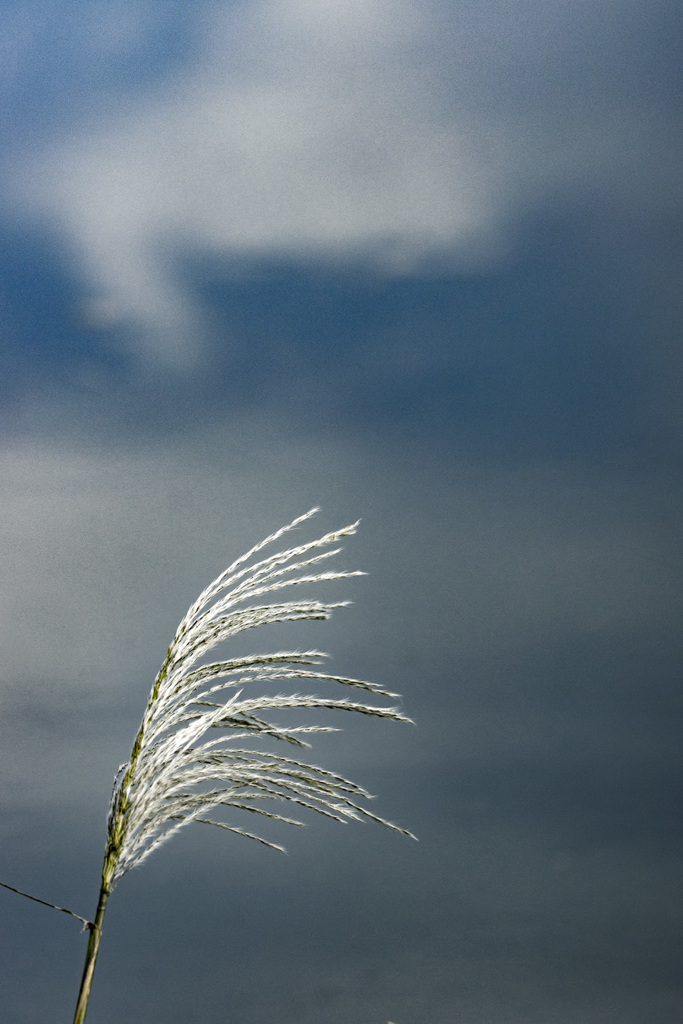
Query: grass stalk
[(194, 753), (91, 955), (116, 830)]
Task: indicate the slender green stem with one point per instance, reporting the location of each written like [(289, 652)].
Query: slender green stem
[(91, 955), (115, 838)]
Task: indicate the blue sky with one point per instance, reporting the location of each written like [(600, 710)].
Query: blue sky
[(418, 263)]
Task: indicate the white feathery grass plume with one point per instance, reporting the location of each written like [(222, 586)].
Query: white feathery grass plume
[(193, 754)]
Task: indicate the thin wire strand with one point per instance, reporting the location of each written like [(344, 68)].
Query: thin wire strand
[(86, 924)]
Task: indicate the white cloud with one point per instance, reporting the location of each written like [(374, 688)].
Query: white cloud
[(369, 129)]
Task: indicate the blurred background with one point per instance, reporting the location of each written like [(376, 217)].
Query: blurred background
[(414, 262)]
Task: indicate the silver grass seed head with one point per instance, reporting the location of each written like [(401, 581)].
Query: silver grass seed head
[(177, 754)]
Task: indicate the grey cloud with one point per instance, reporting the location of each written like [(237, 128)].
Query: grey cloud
[(105, 551)]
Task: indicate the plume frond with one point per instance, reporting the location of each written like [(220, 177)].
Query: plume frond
[(180, 769)]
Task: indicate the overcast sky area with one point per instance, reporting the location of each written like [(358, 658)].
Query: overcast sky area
[(414, 261)]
